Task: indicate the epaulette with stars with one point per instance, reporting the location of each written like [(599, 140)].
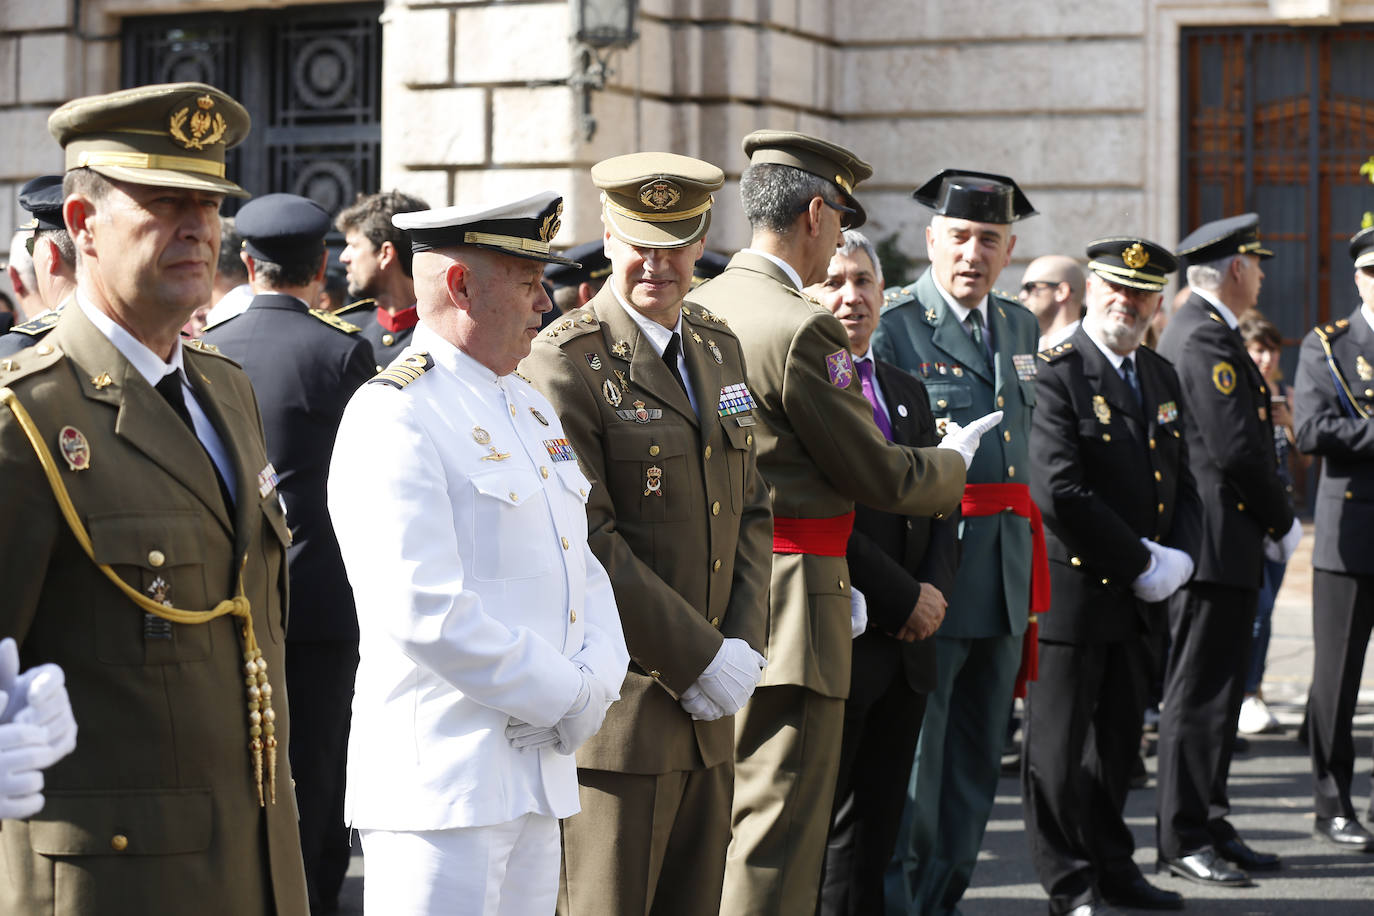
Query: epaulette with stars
[(704, 314), (894, 296), (334, 321), (1059, 351), (1332, 330), (404, 371), (574, 324)]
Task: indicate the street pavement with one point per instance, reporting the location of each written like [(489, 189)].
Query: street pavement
[(1271, 798)]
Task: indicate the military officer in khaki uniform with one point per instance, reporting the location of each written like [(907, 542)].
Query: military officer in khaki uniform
[(813, 428), (654, 399), (163, 589)]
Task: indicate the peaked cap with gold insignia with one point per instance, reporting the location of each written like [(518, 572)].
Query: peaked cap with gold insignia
[(1222, 238), (1135, 262), (819, 157), (42, 197), (170, 135), (522, 229), (656, 200), (1362, 248)]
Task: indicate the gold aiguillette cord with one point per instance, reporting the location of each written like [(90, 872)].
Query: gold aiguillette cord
[(261, 718)]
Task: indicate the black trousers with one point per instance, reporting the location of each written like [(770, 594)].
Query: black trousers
[(882, 722), (1342, 615), (1083, 724), (1211, 629), (319, 685)]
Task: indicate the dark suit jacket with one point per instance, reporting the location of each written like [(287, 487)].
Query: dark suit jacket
[(162, 757), (1325, 426), (890, 555), (1230, 439), (1108, 471), (304, 369)]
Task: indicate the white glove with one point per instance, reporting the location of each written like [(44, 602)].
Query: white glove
[(964, 439), (50, 708), (22, 749), (1168, 570), (1281, 550), (581, 721), (699, 706), (9, 673), (730, 679), (858, 613)]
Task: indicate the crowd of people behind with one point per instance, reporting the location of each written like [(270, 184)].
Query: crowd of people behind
[(563, 639)]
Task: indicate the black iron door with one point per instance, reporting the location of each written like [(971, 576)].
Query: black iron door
[(309, 76), (1280, 121)]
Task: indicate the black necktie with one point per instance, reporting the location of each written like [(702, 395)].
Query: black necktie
[(1128, 373), (975, 326), (169, 386), (670, 354)]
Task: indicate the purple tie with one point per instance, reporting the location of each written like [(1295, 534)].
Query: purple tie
[(879, 415)]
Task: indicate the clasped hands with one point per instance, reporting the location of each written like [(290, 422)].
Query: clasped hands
[(1166, 573)]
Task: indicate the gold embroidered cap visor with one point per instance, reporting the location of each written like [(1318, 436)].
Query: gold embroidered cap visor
[(1223, 238), (1134, 262), (523, 229), (171, 135), (819, 157), (1362, 248), (656, 200)]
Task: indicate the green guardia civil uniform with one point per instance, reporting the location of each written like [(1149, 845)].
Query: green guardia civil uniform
[(679, 517), (158, 808), (819, 451), (979, 645)]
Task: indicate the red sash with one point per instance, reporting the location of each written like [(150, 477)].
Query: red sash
[(825, 537), (989, 499)]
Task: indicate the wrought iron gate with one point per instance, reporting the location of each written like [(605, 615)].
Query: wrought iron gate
[(310, 76), (1279, 121)]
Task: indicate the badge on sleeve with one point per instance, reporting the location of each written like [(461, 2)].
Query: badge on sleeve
[(1224, 377), (840, 366), (1025, 365), (74, 447)]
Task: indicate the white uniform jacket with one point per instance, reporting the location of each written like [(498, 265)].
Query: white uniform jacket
[(461, 515)]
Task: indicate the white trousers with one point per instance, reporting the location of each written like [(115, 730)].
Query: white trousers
[(508, 869)]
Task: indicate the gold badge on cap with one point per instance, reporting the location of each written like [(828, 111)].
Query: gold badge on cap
[(610, 393), (74, 447), (1135, 256), (1101, 410), (1364, 369), (551, 224), (206, 127), (653, 481), (660, 194)]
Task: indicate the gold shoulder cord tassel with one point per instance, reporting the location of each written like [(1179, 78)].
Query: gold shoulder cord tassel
[(261, 718)]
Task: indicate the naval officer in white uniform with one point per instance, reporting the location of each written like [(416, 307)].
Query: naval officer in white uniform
[(491, 645)]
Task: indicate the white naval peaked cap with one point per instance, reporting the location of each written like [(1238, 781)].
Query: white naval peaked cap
[(522, 229)]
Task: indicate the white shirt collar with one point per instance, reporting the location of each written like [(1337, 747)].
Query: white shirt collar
[(1116, 359), (1368, 314), (145, 361), (657, 334), (960, 311), (786, 268), (1226, 314)]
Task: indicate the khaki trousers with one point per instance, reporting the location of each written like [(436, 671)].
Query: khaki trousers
[(787, 757)]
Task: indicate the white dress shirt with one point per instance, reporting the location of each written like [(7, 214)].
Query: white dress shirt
[(786, 268), (1227, 315)]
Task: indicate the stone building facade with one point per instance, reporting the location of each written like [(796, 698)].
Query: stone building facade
[(1078, 99)]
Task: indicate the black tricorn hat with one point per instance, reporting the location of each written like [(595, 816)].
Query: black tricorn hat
[(979, 196)]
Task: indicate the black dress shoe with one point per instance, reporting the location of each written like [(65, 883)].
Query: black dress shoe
[(1235, 851), (1086, 909), (1345, 832), (1204, 867), (1140, 894)]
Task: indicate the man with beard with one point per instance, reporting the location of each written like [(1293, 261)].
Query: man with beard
[(975, 351), (378, 260), (1122, 522), (1246, 515)]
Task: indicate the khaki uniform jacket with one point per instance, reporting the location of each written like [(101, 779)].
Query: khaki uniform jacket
[(819, 451), (690, 558), (156, 810)]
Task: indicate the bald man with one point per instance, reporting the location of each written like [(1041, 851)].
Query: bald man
[(1052, 288)]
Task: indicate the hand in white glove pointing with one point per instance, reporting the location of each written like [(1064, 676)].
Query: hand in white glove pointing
[(964, 439)]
